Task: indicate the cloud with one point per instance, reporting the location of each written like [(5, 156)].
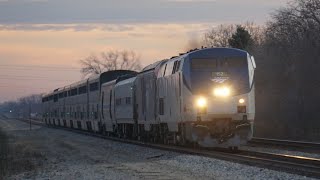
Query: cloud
[(138, 11), (64, 44), (191, 1), (63, 27)]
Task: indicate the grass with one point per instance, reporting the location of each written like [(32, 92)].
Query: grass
[(17, 156), (4, 150)]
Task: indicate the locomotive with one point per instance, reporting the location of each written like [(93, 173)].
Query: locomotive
[(204, 97)]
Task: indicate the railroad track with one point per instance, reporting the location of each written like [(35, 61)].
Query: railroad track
[(309, 167), (293, 145)]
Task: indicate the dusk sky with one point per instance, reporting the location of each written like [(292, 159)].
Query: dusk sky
[(41, 41)]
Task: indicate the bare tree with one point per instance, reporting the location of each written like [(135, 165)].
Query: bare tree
[(110, 60), (219, 36), (23, 107), (287, 80), (91, 65), (30, 104)]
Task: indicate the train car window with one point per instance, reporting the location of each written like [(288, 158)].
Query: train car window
[(55, 98), (82, 89), (161, 106), (94, 86), (174, 67), (169, 68), (65, 94), (118, 101), (74, 92), (177, 66), (165, 68), (61, 95), (128, 100)]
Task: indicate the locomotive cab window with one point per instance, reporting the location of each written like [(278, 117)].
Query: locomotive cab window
[(207, 74)]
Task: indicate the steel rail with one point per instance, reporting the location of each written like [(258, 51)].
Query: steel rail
[(299, 145), (305, 166)]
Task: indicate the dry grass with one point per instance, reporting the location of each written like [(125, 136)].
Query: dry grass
[(17, 157), (3, 154)]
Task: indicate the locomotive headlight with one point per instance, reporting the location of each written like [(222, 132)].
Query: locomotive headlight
[(241, 101), (222, 91), (201, 102)]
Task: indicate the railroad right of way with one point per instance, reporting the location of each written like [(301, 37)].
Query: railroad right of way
[(309, 167)]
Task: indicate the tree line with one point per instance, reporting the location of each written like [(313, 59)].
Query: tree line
[(25, 107), (287, 81)]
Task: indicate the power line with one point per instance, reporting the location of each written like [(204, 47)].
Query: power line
[(30, 69), (35, 79), (34, 66), (25, 76), (27, 86), (22, 88)]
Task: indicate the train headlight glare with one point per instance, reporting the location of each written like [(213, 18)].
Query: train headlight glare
[(222, 91), (201, 102), (241, 101)]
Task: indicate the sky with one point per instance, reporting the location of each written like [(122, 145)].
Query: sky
[(42, 41)]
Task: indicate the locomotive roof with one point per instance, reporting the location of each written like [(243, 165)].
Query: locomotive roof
[(218, 52), (153, 65), (131, 79), (111, 75)]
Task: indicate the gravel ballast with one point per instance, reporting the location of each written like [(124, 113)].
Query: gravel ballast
[(67, 155)]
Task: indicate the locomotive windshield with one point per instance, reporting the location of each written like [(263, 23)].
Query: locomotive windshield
[(225, 71)]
